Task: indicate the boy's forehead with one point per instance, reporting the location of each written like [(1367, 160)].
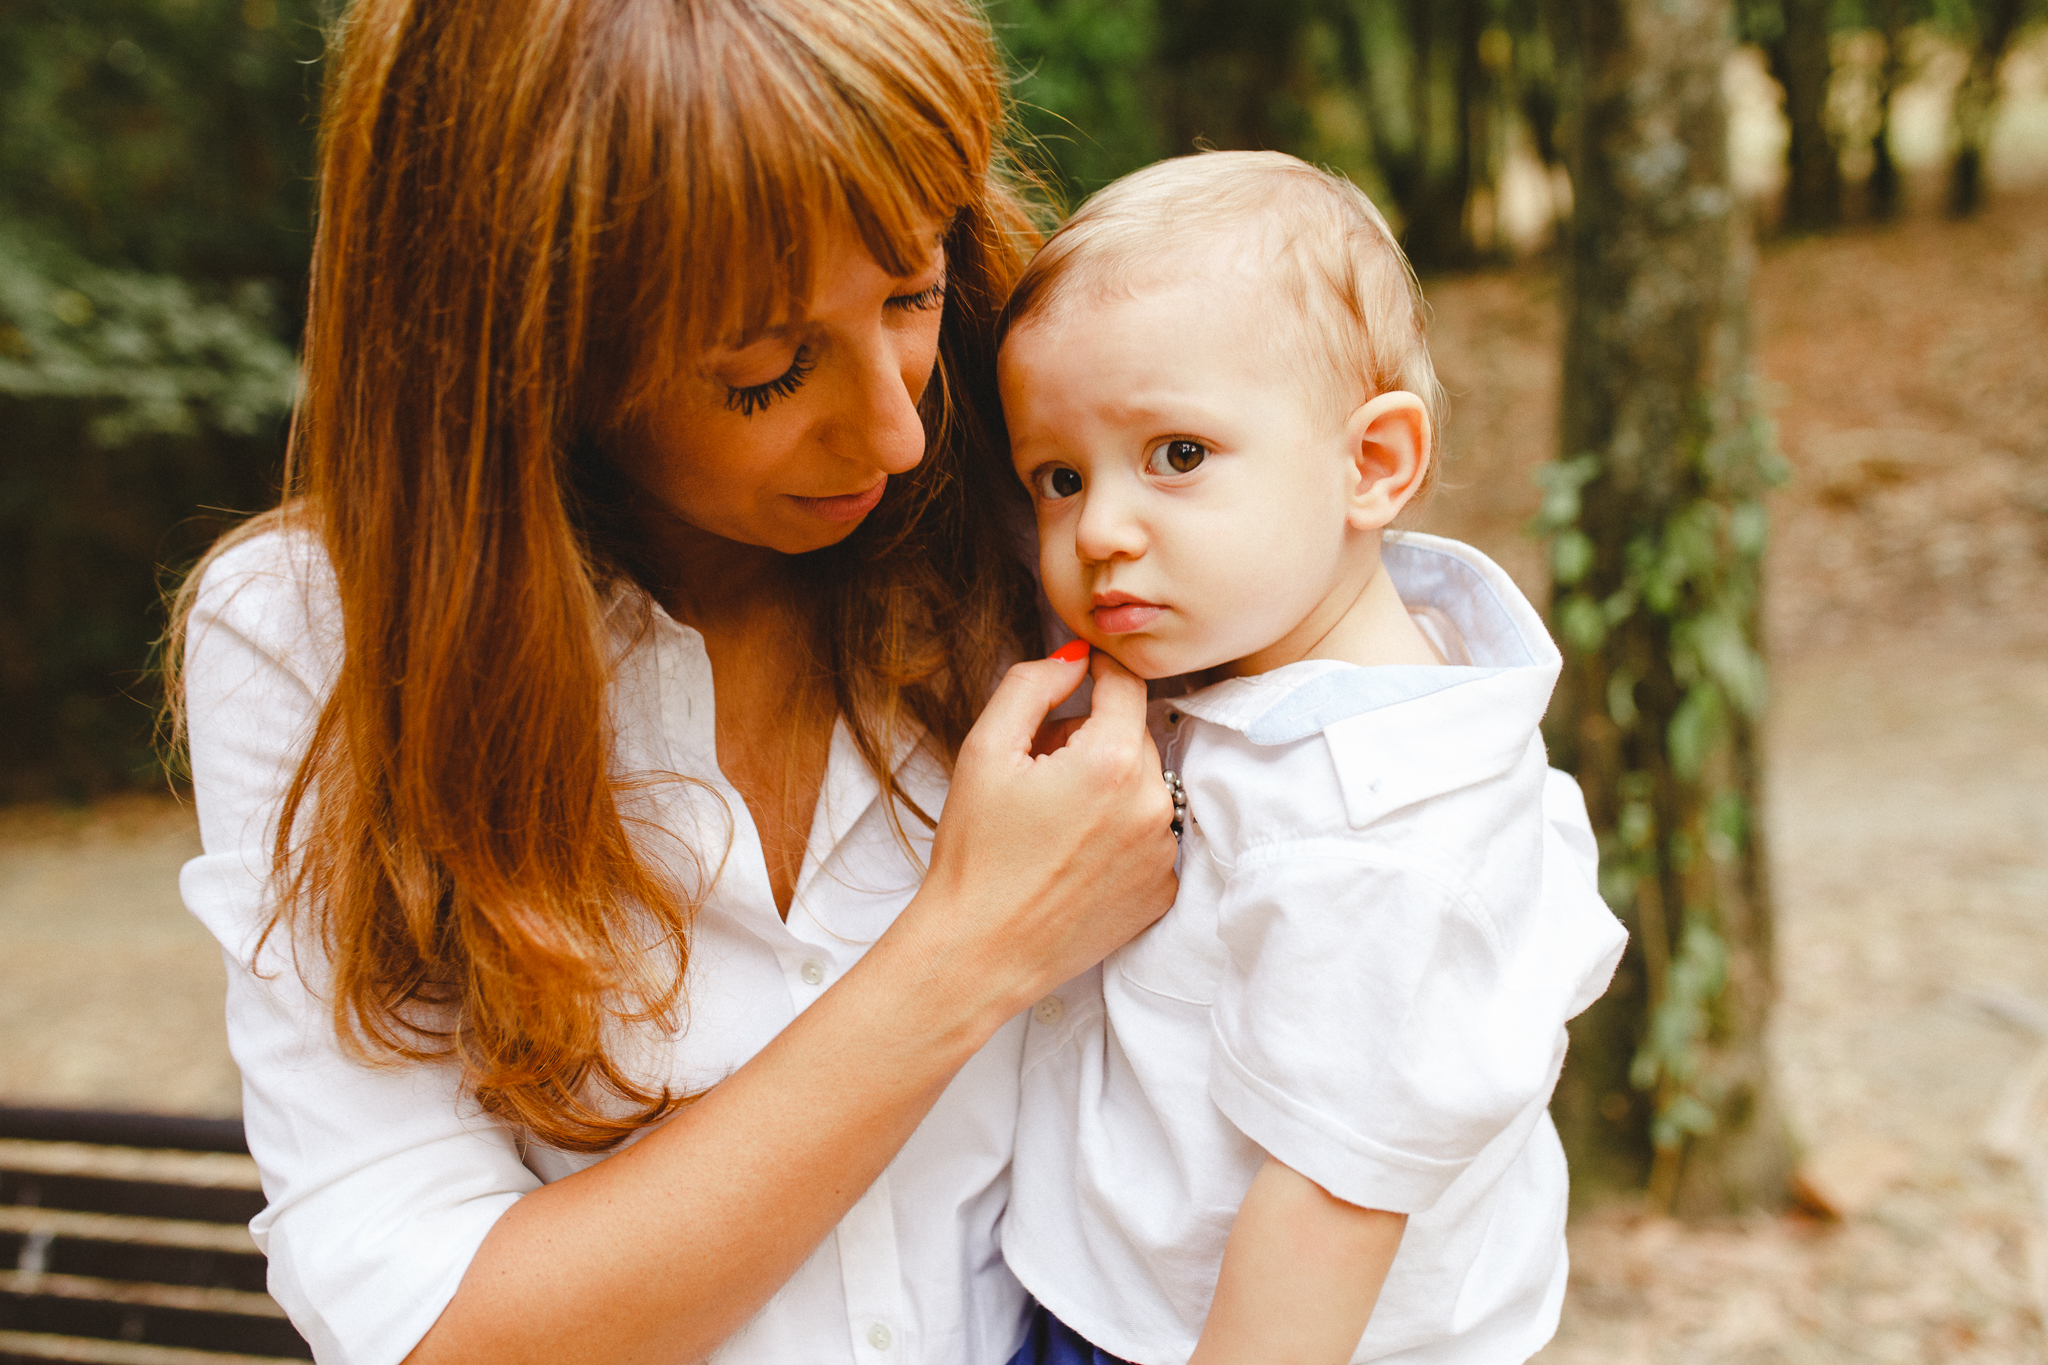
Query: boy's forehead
[(1220, 280)]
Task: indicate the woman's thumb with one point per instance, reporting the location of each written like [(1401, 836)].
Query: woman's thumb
[(1027, 693)]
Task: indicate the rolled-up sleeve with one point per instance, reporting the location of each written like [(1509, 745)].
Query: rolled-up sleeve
[(381, 1182), (1375, 1027)]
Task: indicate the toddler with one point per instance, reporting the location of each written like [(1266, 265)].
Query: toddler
[(1301, 1118)]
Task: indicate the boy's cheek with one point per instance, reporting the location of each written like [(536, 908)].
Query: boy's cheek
[(1060, 577)]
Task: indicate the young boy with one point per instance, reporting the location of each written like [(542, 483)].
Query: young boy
[(1302, 1118)]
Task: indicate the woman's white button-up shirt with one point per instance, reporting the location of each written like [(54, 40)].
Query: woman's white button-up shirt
[(382, 1182)]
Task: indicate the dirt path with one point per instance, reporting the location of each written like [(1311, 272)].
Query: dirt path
[(110, 994), (1909, 820)]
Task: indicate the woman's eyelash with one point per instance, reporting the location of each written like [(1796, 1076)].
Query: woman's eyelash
[(929, 297), (752, 398)]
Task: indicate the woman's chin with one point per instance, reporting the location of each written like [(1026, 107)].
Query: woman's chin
[(803, 540)]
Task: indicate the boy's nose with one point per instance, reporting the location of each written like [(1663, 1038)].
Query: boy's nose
[(1109, 527)]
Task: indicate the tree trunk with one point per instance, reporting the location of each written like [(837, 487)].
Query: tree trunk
[(1801, 62), (1976, 106), (1656, 508), (1432, 155), (1222, 68), (1883, 190)]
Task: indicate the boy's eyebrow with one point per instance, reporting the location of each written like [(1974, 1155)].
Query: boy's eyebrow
[(1172, 412)]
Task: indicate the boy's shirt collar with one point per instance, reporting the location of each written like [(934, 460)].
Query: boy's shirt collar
[(1405, 733)]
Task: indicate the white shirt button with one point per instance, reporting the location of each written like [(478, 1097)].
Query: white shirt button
[(1049, 1010), (879, 1337), (813, 971)]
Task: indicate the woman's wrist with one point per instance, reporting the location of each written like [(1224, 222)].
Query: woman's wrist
[(962, 985)]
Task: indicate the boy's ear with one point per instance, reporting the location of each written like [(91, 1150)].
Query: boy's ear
[(1389, 438)]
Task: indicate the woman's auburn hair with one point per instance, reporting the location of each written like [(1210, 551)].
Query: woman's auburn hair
[(531, 214)]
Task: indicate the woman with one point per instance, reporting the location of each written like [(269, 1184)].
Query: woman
[(568, 747)]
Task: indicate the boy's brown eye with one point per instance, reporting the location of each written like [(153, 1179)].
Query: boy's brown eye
[(1058, 482), (1177, 456)]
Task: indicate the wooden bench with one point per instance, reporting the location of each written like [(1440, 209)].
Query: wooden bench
[(123, 1241)]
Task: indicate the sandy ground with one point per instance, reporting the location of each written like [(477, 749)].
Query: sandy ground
[(1908, 765), (110, 994)]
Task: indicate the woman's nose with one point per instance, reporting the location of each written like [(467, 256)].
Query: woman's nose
[(880, 426)]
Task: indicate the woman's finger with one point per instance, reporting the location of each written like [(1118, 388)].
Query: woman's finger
[(1026, 694), (1054, 734)]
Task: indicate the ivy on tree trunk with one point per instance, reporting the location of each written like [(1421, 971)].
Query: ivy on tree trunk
[(1658, 527)]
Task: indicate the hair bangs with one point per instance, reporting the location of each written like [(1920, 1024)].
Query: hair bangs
[(759, 131)]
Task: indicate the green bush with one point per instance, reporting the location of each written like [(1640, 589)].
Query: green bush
[(155, 218)]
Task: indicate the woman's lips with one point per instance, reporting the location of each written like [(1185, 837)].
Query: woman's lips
[(847, 506), (1121, 618)]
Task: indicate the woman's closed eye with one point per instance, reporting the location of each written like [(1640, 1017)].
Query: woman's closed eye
[(748, 399), (931, 296), (1054, 482), (1176, 455)]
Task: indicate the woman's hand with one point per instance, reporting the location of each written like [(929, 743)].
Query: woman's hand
[(1044, 862)]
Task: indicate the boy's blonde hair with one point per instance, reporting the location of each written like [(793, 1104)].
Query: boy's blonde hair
[(1353, 306)]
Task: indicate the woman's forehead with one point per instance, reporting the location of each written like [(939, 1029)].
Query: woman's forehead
[(775, 304)]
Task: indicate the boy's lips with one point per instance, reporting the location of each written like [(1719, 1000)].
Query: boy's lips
[(1119, 613), (846, 507)]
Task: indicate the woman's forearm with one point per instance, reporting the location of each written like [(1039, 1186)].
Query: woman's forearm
[(664, 1250), (1301, 1273)]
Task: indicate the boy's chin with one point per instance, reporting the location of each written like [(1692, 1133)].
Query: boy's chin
[(1156, 665)]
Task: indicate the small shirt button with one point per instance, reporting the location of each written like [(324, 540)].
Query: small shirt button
[(1173, 717), (879, 1337), (1049, 1010), (813, 971)]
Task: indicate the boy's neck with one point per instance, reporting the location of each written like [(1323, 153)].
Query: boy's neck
[(1362, 622)]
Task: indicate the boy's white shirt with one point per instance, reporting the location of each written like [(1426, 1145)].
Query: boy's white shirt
[(1387, 911)]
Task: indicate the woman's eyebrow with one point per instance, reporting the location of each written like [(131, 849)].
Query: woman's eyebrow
[(779, 331), (934, 253)]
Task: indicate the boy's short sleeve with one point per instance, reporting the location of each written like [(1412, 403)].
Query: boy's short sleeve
[(1377, 1024)]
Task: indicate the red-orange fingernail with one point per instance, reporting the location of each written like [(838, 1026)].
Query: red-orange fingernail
[(1071, 652)]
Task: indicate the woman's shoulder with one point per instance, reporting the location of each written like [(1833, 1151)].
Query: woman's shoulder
[(268, 585)]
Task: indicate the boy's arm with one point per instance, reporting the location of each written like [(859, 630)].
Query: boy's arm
[(1301, 1273)]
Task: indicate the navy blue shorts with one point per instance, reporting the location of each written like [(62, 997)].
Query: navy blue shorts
[(1052, 1342)]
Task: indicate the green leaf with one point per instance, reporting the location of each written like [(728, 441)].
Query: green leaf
[(1722, 649), (1636, 825), (1581, 623), (1727, 826), (1685, 1116), (1571, 556), (1621, 698), (1617, 885), (1749, 528), (1561, 482), (1694, 730)]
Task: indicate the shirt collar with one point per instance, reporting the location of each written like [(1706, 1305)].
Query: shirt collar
[(1512, 655), (1403, 734)]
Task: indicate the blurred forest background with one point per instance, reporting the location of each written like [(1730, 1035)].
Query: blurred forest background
[(1891, 157), (155, 221)]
